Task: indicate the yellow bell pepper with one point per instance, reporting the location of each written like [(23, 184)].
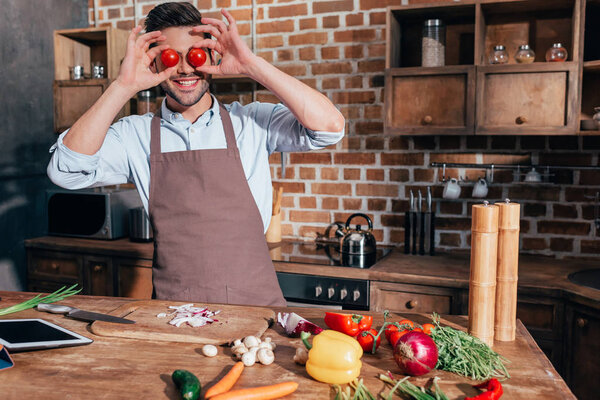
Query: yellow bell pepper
[(334, 358)]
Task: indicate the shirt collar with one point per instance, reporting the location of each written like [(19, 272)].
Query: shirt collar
[(205, 119)]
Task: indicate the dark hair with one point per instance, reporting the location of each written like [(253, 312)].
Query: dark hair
[(173, 14)]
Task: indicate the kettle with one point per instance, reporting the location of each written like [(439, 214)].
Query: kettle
[(358, 246)]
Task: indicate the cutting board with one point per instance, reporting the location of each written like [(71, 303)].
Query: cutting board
[(234, 322)]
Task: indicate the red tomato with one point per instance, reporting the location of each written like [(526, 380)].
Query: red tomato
[(417, 330), (407, 322), (427, 328), (196, 57), (397, 335), (169, 58), (366, 340), (389, 330)]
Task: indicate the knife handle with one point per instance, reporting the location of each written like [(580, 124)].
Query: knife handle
[(415, 231), (422, 234), (54, 308), (432, 235), (407, 232)]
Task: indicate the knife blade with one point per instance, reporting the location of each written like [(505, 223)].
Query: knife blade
[(282, 165), (81, 314)]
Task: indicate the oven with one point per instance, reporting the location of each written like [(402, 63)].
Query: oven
[(308, 290)]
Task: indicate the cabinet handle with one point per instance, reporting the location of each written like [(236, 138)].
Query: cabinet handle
[(520, 120), (581, 322), (97, 268), (412, 304), (54, 266), (427, 120)]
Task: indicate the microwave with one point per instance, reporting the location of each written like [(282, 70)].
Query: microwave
[(100, 213)]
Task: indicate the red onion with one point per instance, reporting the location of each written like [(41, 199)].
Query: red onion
[(415, 353)]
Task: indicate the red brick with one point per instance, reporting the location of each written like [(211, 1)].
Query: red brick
[(397, 236), (580, 194), (353, 97), (539, 193), (267, 98), (292, 187), (308, 202), (377, 18), (330, 203), (108, 3), (565, 159), (590, 246), (354, 19), (114, 13), (392, 220), (351, 204), (307, 173), (331, 68), (293, 69), (330, 83), (288, 201), (450, 223), (423, 175), (399, 175), (223, 3), (564, 211), (353, 51), (307, 53), (534, 210), (453, 157), (331, 22), (531, 243), (354, 82), (287, 11), (354, 158), (589, 177), (350, 112), (506, 158), (125, 25), (307, 231), (367, 189), (309, 82), (377, 204), (400, 205), (267, 55), (308, 23), (330, 174), (399, 143), (270, 42), (309, 216), (330, 53), (286, 25), (449, 239), (355, 36), (244, 14), (343, 189), (368, 127), (351, 174), (402, 159), (336, 6), (311, 157), (308, 38), (375, 175), (375, 143), (350, 143), (371, 66), (285, 55), (564, 227), (355, 221), (372, 4), (561, 244), (451, 207)]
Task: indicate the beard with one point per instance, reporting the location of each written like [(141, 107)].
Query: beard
[(186, 98)]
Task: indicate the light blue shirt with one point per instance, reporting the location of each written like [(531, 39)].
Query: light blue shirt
[(260, 129)]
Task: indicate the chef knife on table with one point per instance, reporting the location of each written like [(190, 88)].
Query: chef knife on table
[(80, 314), (407, 224)]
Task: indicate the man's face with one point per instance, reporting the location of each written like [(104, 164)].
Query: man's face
[(186, 86)]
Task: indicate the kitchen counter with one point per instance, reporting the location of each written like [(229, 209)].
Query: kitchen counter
[(115, 368)]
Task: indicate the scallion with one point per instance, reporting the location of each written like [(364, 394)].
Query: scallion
[(60, 294)]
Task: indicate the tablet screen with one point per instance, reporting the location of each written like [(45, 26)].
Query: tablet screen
[(28, 334)]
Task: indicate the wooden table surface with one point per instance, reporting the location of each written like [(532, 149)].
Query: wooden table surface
[(115, 368)]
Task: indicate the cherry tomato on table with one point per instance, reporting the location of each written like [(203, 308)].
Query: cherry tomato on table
[(196, 57), (427, 328), (169, 58), (395, 335), (407, 322), (365, 339)]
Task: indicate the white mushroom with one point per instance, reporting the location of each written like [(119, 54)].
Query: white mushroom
[(249, 358), (209, 350), (265, 356), (251, 341), (301, 356), (237, 342), (239, 350)]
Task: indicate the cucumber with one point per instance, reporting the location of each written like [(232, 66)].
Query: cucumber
[(187, 383)]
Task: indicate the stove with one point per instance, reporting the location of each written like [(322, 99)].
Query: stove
[(304, 290)]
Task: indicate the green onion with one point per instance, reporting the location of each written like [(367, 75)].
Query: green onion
[(414, 391), (360, 391), (466, 355), (60, 294)]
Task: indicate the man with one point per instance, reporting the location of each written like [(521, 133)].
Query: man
[(201, 168)]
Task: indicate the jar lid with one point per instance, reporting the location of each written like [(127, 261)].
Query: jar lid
[(524, 47), (499, 47), (557, 45), (433, 22), (146, 94)]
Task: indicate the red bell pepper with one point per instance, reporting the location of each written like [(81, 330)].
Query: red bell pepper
[(493, 390), (369, 340), (350, 324)]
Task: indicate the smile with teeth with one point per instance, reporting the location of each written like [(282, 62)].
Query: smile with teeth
[(186, 82)]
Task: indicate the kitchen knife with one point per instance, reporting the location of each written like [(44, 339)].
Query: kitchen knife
[(421, 226), (428, 225), (407, 225), (282, 165), (413, 223), (80, 314)]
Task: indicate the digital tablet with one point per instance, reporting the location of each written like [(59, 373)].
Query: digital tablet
[(33, 334)]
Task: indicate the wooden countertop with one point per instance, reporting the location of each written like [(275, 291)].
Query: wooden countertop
[(115, 368), (537, 275)]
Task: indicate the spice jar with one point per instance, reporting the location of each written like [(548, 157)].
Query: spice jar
[(556, 53), (433, 43), (524, 55), (146, 102), (499, 55)]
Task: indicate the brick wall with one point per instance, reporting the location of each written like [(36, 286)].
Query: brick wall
[(338, 47)]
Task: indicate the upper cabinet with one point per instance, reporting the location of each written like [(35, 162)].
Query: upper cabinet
[(454, 67)]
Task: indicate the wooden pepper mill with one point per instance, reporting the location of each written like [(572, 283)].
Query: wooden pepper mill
[(482, 282), (508, 267)]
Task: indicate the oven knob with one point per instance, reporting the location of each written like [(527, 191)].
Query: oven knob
[(355, 295), (343, 294), (318, 290), (330, 292)]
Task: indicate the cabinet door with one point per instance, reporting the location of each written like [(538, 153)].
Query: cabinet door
[(531, 99), (134, 278), (65, 268), (98, 272), (73, 98), (399, 297), (430, 100)]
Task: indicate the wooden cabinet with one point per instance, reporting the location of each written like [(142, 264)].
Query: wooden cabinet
[(398, 297), (104, 45), (539, 98)]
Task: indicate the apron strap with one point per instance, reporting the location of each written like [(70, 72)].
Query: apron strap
[(155, 147)]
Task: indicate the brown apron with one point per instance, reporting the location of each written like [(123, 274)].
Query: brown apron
[(209, 244)]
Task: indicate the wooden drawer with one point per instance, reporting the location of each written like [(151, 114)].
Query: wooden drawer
[(412, 298), (99, 276), (542, 316), (430, 100), (55, 266), (526, 99), (44, 286), (135, 278)]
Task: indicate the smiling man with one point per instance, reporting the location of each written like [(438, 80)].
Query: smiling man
[(201, 168)]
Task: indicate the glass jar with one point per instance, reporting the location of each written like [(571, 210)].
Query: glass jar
[(499, 55), (433, 43), (146, 102), (525, 55), (556, 53)]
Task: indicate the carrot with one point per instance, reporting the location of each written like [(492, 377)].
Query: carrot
[(227, 381), (259, 393)]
